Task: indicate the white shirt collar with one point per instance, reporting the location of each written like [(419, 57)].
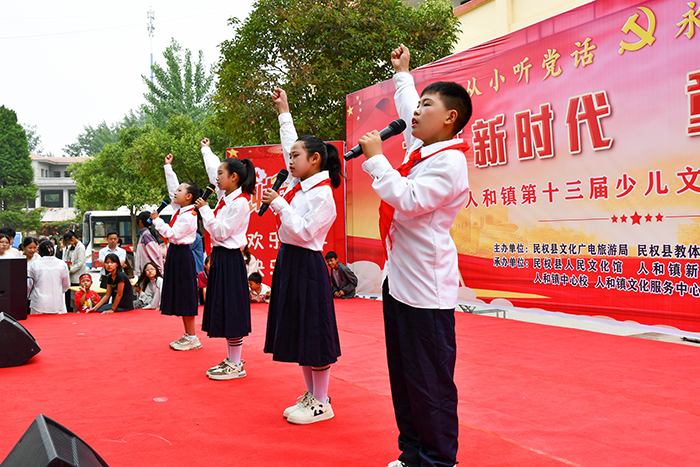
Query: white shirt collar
[(314, 180)]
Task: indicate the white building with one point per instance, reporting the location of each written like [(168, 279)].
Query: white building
[(56, 187)]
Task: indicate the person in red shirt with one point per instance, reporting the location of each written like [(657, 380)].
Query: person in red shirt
[(85, 298)]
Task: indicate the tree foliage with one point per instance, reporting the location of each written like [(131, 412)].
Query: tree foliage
[(34, 140), (319, 52), (130, 172), (16, 175), (181, 88)]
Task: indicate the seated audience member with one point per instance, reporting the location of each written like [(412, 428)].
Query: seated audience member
[(29, 246), (111, 248), (202, 279), (149, 287), (76, 259), (259, 292), (11, 250), (118, 288), (251, 263), (47, 281), (86, 298), (147, 249), (343, 280)]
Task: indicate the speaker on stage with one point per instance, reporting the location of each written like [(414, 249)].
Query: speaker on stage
[(16, 344), (49, 444), (13, 287)]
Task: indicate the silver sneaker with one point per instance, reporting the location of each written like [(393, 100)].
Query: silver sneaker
[(189, 344), (227, 370)]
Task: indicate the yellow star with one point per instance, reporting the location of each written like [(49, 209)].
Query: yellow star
[(231, 152), (350, 111)]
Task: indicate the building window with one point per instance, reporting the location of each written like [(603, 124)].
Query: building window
[(66, 174), (57, 174), (31, 204), (52, 198), (71, 198), (42, 173)]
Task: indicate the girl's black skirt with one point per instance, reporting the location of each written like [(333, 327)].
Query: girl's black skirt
[(301, 324), (227, 304), (179, 282)]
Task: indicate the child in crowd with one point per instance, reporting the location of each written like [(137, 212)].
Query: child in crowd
[(47, 281), (202, 280), (343, 280), (7, 239), (301, 325), (259, 292), (85, 298), (179, 296), (149, 288), (227, 309), (420, 201), (147, 249), (118, 288)]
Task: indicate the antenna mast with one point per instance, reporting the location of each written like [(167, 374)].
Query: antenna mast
[(151, 15)]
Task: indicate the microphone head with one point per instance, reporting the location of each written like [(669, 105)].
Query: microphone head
[(208, 191), (398, 125), (282, 175)]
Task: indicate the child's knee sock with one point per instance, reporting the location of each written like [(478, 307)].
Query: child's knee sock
[(235, 347), (321, 376), (308, 378)]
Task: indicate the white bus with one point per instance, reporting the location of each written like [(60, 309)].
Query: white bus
[(96, 224)]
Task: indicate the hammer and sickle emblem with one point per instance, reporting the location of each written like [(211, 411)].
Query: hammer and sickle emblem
[(646, 36)]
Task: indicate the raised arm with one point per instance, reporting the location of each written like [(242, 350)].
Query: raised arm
[(288, 134), (406, 97), (211, 160), (171, 179)]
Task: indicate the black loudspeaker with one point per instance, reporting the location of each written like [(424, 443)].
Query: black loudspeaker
[(49, 444), (13, 287), (16, 344)]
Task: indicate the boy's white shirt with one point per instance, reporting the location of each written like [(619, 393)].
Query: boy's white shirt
[(230, 226), (184, 230), (422, 263), (307, 221)]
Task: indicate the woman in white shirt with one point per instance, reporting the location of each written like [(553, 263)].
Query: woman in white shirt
[(6, 250), (47, 281)]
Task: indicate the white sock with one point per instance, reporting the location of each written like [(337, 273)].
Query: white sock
[(308, 378), (321, 377), (235, 347), (192, 337)]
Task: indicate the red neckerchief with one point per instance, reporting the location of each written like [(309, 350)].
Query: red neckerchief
[(386, 211)]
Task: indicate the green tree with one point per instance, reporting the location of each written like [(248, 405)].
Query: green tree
[(319, 52), (130, 172), (16, 175), (181, 88), (33, 139), (94, 139)]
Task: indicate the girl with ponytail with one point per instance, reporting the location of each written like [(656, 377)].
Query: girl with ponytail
[(227, 307), (301, 325)]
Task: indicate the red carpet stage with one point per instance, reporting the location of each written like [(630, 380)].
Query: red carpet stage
[(530, 395)]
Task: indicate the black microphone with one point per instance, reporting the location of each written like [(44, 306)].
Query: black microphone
[(162, 206), (207, 193), (395, 128), (279, 180)]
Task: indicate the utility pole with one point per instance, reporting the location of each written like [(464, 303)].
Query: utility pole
[(151, 15)]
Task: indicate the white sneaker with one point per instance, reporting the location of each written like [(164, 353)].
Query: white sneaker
[(224, 362), (311, 412), (189, 344), (182, 341), (301, 401), (397, 463), (227, 370)]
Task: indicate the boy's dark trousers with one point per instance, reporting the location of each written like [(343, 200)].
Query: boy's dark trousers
[(421, 353)]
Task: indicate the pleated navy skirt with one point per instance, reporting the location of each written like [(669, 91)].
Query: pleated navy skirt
[(227, 305), (179, 296), (301, 324)]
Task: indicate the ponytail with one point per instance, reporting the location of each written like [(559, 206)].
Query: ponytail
[(330, 159), (246, 173), (333, 165)]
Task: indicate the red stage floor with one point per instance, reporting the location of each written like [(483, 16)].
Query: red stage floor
[(530, 395)]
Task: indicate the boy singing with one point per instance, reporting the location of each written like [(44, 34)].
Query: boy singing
[(420, 201)]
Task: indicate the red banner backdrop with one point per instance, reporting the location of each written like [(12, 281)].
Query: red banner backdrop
[(584, 168), (262, 231)]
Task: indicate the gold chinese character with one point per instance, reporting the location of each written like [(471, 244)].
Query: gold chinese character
[(583, 57), (471, 88), (691, 20), (521, 68), (550, 63), (495, 83)]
